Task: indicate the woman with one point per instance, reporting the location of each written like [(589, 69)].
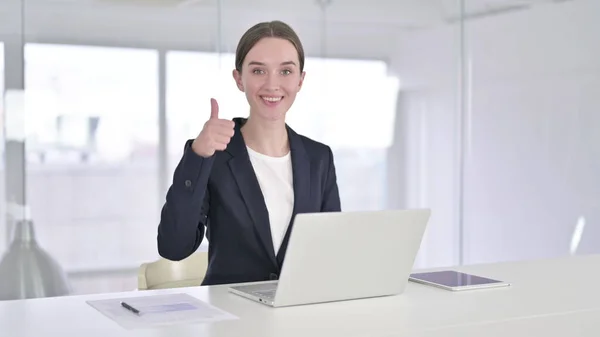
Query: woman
[(245, 180)]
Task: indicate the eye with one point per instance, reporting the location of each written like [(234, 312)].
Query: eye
[(286, 72), (258, 71)]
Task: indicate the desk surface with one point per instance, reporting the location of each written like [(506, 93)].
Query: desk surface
[(581, 324), (540, 288)]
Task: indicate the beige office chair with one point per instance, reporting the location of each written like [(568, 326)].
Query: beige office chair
[(164, 273)]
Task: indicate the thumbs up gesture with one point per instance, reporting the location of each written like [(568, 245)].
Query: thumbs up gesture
[(215, 135)]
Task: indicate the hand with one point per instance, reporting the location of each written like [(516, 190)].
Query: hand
[(215, 135)]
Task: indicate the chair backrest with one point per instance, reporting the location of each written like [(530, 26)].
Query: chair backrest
[(164, 273)]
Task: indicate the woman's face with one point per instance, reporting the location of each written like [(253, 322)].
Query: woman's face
[(270, 78)]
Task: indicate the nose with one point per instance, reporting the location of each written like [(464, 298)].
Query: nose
[(272, 82)]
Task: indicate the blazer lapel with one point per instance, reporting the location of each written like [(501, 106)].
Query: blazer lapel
[(302, 188), (244, 175)]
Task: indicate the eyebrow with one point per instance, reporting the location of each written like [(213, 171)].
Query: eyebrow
[(256, 63)]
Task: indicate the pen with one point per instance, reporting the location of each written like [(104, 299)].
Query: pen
[(130, 308)]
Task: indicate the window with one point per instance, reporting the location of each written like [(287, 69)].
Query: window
[(92, 153)]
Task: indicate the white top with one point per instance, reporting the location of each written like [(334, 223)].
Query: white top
[(557, 297), (275, 178)]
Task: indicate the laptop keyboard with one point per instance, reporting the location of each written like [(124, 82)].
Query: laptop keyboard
[(270, 294), (265, 291)]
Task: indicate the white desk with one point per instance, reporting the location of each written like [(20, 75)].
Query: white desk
[(579, 324), (540, 288)]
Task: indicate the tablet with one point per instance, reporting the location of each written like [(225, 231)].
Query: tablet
[(455, 281)]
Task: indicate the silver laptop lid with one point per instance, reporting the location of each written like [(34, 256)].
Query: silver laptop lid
[(349, 255)]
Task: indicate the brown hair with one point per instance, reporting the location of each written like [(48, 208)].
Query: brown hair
[(267, 29)]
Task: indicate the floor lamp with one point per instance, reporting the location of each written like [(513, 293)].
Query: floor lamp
[(26, 270)]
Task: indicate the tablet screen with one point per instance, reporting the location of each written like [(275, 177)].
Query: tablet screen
[(451, 278)]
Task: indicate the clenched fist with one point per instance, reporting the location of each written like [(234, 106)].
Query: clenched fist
[(215, 135)]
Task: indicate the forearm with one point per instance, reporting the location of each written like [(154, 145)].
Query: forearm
[(183, 215)]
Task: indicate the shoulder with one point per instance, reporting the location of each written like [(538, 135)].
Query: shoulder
[(313, 148)]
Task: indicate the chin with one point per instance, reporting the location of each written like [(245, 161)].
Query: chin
[(270, 111)]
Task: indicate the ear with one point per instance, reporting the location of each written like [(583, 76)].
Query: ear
[(301, 80), (238, 79)]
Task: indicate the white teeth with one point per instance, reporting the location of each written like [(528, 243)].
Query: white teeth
[(272, 99)]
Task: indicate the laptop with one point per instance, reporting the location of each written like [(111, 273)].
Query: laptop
[(343, 256)]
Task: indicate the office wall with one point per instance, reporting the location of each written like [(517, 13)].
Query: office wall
[(528, 127)]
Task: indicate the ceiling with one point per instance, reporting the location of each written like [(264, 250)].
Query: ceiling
[(410, 13), (374, 25)]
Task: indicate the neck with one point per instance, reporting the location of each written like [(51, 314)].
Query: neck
[(269, 138)]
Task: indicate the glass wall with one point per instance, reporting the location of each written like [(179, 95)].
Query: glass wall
[(3, 230), (525, 137), (483, 113), (532, 154)]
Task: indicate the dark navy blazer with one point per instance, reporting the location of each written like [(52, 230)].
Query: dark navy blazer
[(221, 193)]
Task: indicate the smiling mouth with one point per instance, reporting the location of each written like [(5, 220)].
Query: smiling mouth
[(272, 99)]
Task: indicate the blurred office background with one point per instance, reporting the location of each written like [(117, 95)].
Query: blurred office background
[(486, 111)]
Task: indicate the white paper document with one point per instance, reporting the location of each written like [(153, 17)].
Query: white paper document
[(159, 310)]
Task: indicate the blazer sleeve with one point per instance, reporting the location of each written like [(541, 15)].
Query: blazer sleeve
[(185, 211), (331, 197)]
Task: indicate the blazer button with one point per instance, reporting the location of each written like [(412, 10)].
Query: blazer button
[(188, 183), (273, 276)]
